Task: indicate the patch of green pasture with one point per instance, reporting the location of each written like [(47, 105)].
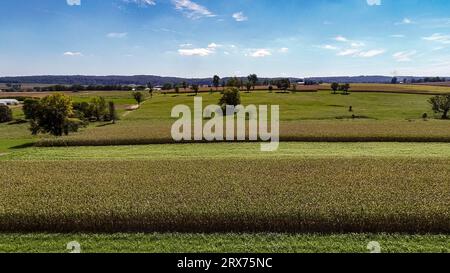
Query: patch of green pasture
[(303, 106), (223, 243), (235, 150)]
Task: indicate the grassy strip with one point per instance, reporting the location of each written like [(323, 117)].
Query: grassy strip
[(329, 195), (234, 150), (223, 243)]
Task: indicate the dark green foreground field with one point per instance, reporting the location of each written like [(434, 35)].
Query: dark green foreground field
[(242, 192)]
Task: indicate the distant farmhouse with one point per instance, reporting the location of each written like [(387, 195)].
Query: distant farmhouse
[(9, 102)]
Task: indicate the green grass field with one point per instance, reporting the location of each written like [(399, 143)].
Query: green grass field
[(223, 243), (351, 180)]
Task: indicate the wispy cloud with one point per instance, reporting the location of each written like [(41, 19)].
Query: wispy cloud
[(202, 52), (191, 9), (398, 36), (341, 39), (117, 35), (141, 3), (353, 52), (439, 38), (73, 2), (283, 50), (260, 53), (405, 21), (348, 52), (374, 2), (329, 47), (240, 17), (404, 56), (371, 53), (73, 54)]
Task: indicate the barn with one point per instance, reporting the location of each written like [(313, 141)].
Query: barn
[(9, 102)]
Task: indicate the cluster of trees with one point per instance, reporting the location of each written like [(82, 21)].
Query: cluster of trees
[(95, 110), (441, 104), (231, 96), (5, 114), (343, 88), (58, 115)]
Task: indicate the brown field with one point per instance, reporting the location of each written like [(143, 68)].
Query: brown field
[(396, 88), (434, 84)]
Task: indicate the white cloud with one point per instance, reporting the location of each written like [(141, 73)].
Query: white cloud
[(439, 38), (191, 9), (284, 50), (404, 56), (398, 36), (142, 3), (72, 54), (354, 52), (341, 39), (118, 35), (357, 44), (406, 21), (371, 53), (202, 52), (73, 2), (329, 47), (260, 53), (240, 17), (214, 45), (374, 2), (348, 52)]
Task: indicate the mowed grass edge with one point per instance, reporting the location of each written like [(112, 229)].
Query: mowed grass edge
[(223, 243)]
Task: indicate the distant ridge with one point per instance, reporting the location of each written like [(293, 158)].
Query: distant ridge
[(158, 80)]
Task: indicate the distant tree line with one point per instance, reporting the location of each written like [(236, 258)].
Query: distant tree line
[(77, 87)]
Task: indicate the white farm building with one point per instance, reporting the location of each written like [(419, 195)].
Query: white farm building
[(9, 102)]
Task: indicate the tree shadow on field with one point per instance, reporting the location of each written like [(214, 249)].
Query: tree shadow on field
[(104, 125), (22, 146)]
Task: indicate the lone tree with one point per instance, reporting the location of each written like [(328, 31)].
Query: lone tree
[(139, 97), (112, 112), (5, 114), (54, 116), (216, 81), (253, 79), (150, 89), (30, 108), (185, 85), (283, 84), (232, 97), (344, 88), (248, 85), (441, 104), (195, 87), (394, 80), (335, 87)]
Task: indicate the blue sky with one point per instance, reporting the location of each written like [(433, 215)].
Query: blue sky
[(199, 38)]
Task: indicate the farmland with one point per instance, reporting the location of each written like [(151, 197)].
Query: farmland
[(305, 116), (337, 182)]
